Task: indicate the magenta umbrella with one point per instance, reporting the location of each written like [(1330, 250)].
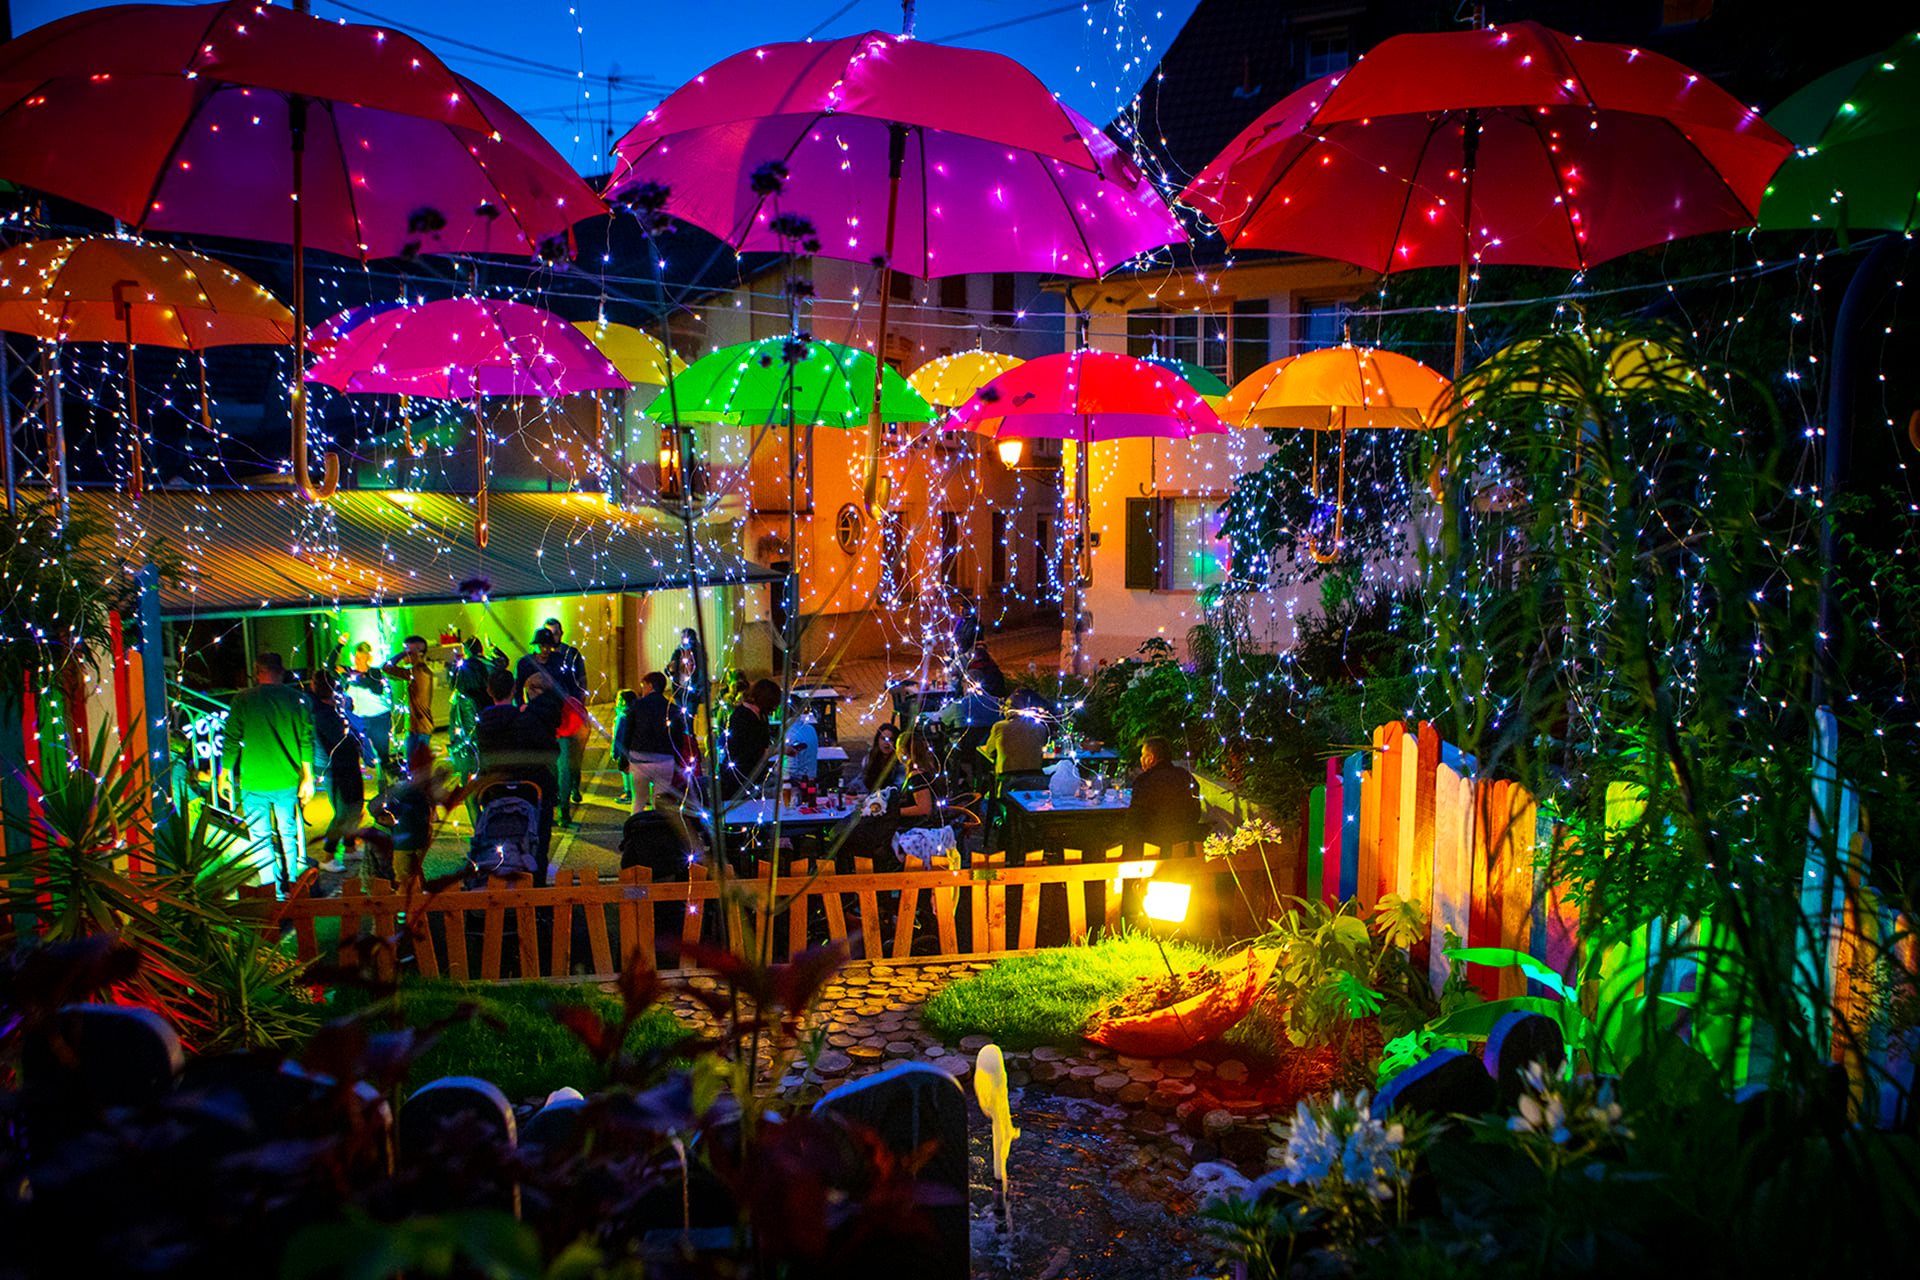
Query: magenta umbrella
[(914, 155), (462, 349)]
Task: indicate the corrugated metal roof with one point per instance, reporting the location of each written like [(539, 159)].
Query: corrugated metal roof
[(261, 551)]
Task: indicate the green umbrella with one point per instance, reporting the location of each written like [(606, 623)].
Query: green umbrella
[(1857, 134), (441, 434), (1204, 381), (747, 385)]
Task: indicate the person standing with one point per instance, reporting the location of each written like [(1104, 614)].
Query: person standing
[(413, 666), (617, 745), (687, 672), (656, 742), (346, 788), (368, 709), (518, 744), (569, 671), (267, 759)]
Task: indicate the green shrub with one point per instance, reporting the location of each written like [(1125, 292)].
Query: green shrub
[(516, 1041)]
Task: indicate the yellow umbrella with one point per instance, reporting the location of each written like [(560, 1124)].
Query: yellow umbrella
[(639, 357), (1336, 389), (950, 381)]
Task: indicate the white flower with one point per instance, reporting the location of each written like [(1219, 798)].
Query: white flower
[(1313, 1149)]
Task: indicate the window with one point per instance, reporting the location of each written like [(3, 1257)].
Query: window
[(953, 292), (1250, 336), (1320, 323), (848, 528), (1194, 338), (900, 288), (950, 548), (1328, 52), (1046, 572), (998, 552), (1002, 301), (1175, 544)]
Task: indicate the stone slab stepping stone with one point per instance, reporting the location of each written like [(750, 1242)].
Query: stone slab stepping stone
[(833, 1063), (1045, 1072), (1146, 1075), (1133, 1094), (865, 1052), (1045, 1053), (1178, 1068), (1109, 1084), (901, 1048), (1232, 1070), (974, 1044)]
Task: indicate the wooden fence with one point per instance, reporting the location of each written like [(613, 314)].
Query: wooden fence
[(1408, 817), (585, 928)]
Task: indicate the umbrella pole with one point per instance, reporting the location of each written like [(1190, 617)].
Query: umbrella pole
[(480, 462), (136, 481), (56, 428), (330, 473), (6, 423), (876, 495)]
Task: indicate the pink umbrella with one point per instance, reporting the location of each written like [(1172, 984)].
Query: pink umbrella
[(1087, 396), (913, 155), (462, 349)]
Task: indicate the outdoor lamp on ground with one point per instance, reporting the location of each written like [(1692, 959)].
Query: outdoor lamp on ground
[(1011, 451), (1166, 901)]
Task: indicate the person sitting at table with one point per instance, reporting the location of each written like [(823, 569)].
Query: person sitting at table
[(803, 744), (911, 804), (983, 671), (881, 766), (974, 715), (749, 735), (1165, 807)]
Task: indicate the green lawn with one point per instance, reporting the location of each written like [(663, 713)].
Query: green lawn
[(1045, 998), (515, 1043)]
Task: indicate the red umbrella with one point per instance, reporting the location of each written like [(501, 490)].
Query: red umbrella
[(1087, 396), (242, 119), (1512, 144), (937, 159)]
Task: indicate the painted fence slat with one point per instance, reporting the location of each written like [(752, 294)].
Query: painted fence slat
[(1372, 797), (1332, 843), (1315, 862), (1351, 781), (1452, 864)]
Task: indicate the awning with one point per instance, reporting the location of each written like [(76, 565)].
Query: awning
[(265, 551)]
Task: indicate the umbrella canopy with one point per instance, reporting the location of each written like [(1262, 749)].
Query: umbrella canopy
[(1202, 379), (1856, 133), (639, 357), (107, 289), (947, 381), (1557, 152), (1338, 388), (322, 338), (462, 348), (401, 154), (933, 159), (1087, 396), (747, 384)]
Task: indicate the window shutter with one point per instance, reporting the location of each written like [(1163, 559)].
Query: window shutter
[(1143, 544)]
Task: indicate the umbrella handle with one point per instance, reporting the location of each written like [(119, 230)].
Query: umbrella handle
[(1339, 511), (480, 497)]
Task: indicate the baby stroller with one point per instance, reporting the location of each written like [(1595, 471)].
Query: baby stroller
[(506, 836)]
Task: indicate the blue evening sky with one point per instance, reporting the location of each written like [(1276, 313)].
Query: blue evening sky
[(532, 52)]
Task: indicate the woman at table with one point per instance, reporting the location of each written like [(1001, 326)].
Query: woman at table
[(881, 766), (912, 803)]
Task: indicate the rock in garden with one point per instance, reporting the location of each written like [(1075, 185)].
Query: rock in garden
[(1215, 1123), (1210, 1179), (1046, 1072)]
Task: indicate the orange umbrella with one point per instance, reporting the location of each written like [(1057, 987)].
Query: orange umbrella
[(108, 289), (1336, 389)]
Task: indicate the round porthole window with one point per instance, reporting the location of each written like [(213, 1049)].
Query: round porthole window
[(850, 527)]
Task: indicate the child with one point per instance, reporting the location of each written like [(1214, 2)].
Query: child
[(617, 753), (407, 808)]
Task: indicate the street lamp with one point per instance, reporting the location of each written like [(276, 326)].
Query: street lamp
[(1010, 451)]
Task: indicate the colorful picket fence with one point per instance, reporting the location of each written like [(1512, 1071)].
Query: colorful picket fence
[(1408, 817)]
